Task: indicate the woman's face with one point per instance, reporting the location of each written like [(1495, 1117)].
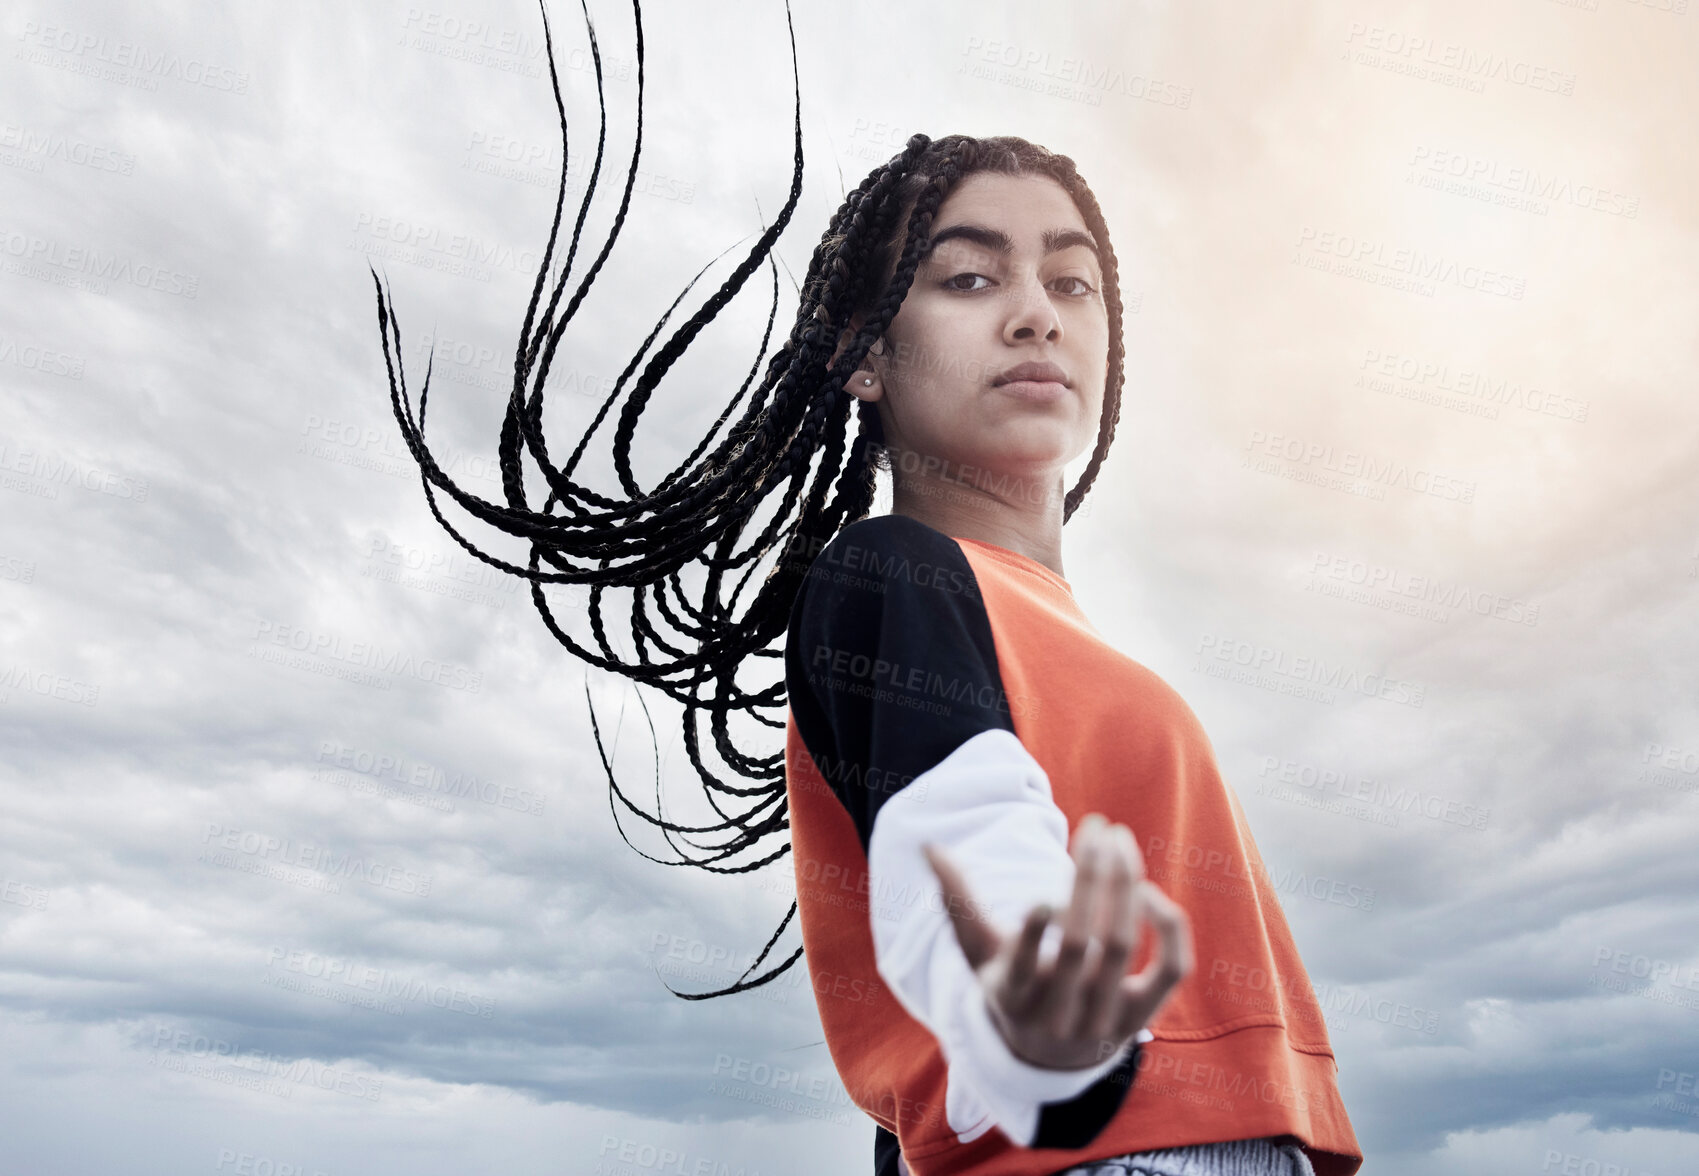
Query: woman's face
[(1012, 277)]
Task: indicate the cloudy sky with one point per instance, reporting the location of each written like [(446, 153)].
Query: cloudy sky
[(1410, 392)]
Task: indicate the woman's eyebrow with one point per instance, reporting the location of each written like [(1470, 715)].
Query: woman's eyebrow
[(998, 241)]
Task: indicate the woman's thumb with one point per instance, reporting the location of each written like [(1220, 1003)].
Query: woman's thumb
[(974, 932)]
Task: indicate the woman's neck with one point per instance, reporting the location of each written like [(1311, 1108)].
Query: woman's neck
[(988, 510)]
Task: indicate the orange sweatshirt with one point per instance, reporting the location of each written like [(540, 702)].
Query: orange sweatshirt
[(951, 691)]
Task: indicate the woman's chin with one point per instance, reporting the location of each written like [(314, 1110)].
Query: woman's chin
[(1038, 468), (1039, 451)]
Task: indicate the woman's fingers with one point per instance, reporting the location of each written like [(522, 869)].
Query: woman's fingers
[(1060, 1003), (1082, 1005), (1020, 980), (1122, 912), (1172, 962)]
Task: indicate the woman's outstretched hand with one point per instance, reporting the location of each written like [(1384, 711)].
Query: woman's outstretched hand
[(1082, 1007)]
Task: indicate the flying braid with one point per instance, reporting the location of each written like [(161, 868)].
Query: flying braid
[(676, 545)]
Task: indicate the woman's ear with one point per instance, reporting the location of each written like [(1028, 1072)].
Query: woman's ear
[(865, 383)]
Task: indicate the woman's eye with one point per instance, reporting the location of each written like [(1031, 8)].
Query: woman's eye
[(1082, 287)]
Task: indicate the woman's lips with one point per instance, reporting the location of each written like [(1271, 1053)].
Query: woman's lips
[(1036, 390)]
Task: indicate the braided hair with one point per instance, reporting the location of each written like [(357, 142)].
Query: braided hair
[(789, 447)]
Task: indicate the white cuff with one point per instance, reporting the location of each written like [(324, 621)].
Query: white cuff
[(989, 805), (1012, 1088)]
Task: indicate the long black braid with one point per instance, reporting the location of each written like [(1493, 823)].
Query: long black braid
[(693, 646)]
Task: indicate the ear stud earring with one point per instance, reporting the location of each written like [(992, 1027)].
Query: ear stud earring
[(867, 380)]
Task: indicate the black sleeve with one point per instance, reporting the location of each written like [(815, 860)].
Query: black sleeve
[(1079, 1120), (885, 1152), (889, 661)]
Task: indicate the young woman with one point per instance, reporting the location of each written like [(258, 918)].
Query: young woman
[(950, 716)]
